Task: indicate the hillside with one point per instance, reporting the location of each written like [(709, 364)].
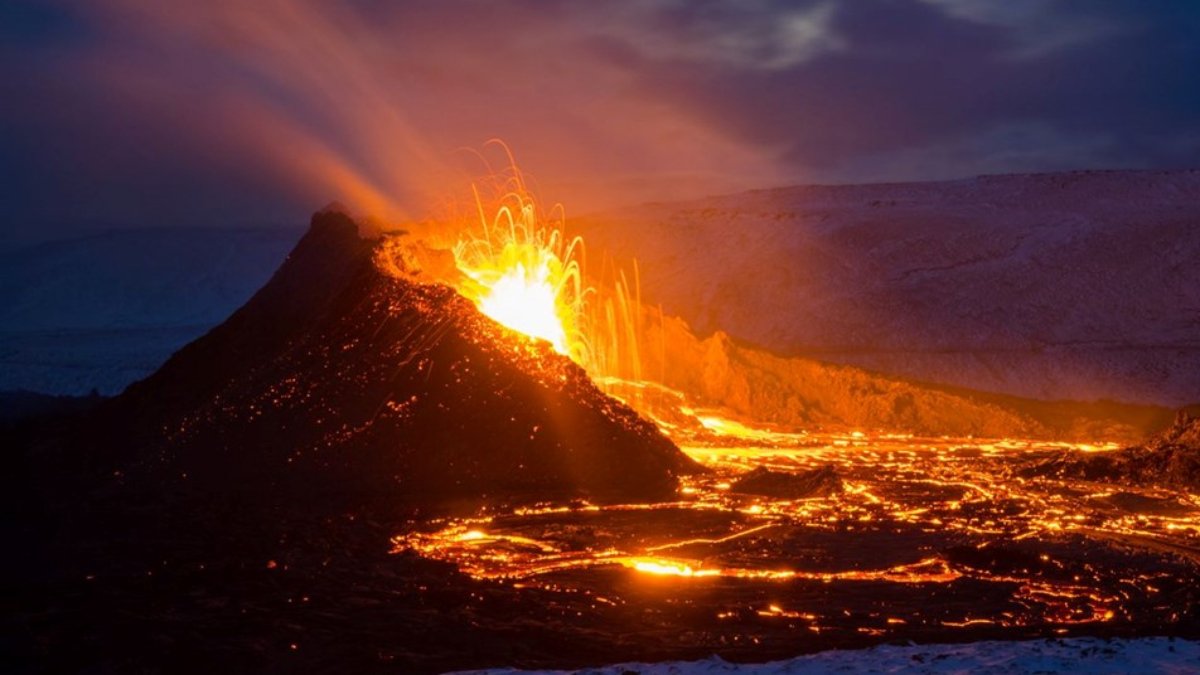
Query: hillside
[(1075, 286), (340, 379), (722, 375)]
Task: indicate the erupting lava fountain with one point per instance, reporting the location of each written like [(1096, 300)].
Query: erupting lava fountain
[(521, 269)]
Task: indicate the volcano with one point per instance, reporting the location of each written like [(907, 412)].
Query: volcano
[(358, 470), (348, 383)]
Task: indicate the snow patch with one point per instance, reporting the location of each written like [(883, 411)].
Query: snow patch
[(1093, 656)]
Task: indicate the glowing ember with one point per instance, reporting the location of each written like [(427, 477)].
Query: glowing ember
[(525, 299), (521, 271), (519, 267)]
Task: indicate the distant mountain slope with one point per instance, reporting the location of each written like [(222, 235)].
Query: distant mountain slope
[(1078, 285), (104, 310)]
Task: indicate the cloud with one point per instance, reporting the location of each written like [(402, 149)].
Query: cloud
[(388, 95), (913, 79), (753, 34), (1040, 28), (145, 112)]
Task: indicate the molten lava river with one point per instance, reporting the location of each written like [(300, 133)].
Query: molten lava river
[(901, 536), (845, 539)]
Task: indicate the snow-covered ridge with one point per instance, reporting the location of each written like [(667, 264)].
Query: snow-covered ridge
[(1079, 285), (1072, 655)]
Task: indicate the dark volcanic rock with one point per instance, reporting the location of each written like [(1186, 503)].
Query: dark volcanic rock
[(341, 382), (820, 482), (1172, 459), (1184, 432)]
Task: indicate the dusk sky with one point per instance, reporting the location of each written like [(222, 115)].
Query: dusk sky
[(126, 113)]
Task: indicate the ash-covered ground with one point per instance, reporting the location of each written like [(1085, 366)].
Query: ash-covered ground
[(857, 540), (789, 544)]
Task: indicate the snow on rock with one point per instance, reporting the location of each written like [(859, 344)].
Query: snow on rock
[(1093, 656), (1075, 285)]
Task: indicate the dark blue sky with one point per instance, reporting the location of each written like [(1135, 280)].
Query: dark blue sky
[(231, 112)]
